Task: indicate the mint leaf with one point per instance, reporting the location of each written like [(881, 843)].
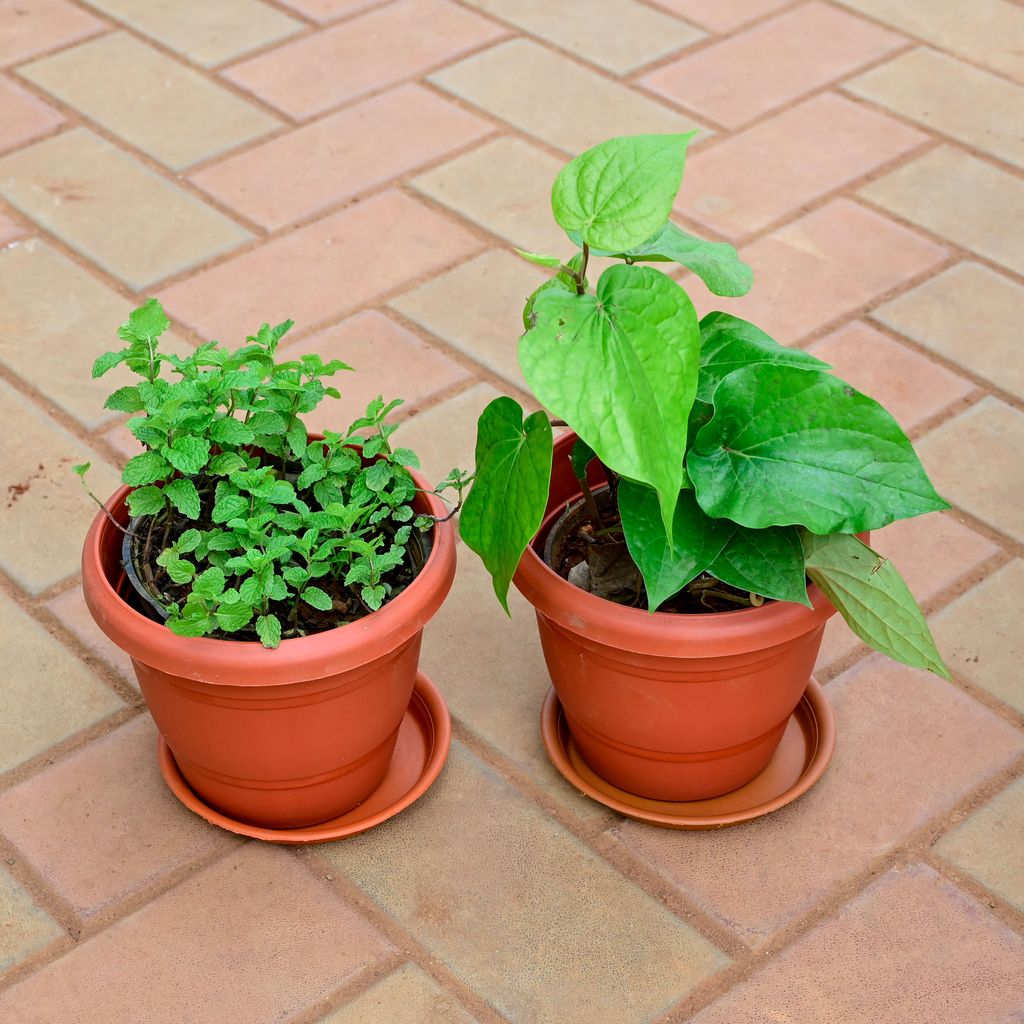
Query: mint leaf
[(146, 501), (178, 569), (268, 628), (107, 362), (233, 616), (145, 323), (147, 468), (187, 454), (126, 399), (209, 583), (228, 430), (230, 507), (317, 598), (374, 596), (183, 495), (192, 626)]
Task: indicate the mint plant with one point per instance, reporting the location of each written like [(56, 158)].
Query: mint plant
[(241, 524), (734, 465)]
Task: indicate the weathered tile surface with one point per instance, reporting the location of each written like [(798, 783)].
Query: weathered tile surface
[(150, 100), (23, 117), (721, 15), (408, 995), (482, 890), (114, 210), (26, 927), (909, 745), (303, 171), (70, 608), (30, 28)]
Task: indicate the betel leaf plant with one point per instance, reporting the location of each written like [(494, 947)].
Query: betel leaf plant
[(242, 525), (736, 468)]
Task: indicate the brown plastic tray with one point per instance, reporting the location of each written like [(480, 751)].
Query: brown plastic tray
[(801, 759), (421, 751)]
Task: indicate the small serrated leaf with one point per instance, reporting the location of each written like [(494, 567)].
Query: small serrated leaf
[(146, 501), (147, 468), (183, 495), (233, 616), (317, 598), (268, 628)]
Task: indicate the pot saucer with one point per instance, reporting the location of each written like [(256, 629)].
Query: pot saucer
[(421, 751), (800, 760)]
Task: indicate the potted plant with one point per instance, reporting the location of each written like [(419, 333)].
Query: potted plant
[(271, 587), (667, 541)]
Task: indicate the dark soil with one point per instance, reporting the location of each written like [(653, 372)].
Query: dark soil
[(580, 541)]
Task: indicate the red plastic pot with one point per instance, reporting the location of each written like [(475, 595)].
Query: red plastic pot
[(279, 738), (667, 706)]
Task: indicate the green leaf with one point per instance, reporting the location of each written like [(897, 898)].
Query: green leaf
[(296, 437), (183, 495), (251, 590), (107, 362), (179, 569), (230, 507), (798, 446), (506, 504), (309, 476), (187, 454), (581, 457), (668, 565), (621, 368), (192, 625), (619, 193), (209, 583), (267, 422), (317, 598), (406, 457), (233, 616), (188, 541), (268, 628), (228, 430), (378, 476), (872, 597), (81, 468), (147, 468), (539, 258), (728, 343), (146, 501), (374, 596), (145, 323), (769, 562), (225, 463), (126, 399)]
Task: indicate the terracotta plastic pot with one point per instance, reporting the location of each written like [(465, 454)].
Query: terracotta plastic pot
[(279, 738), (667, 706)]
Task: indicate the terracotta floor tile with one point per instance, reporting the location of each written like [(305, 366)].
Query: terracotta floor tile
[(52, 345), (329, 10), (931, 552), (516, 80), (979, 634), (454, 658), (50, 696), (984, 31), (153, 102), (10, 229), (746, 182), (969, 314), (951, 97), (791, 54), (618, 35), (26, 927), (388, 360), (482, 892), (908, 746), (907, 384), (721, 15), (114, 210), (476, 307), (409, 996), (114, 826), (505, 187), (208, 33), (959, 197), (75, 617), (23, 117), (372, 51), (911, 949), (322, 270), (976, 461), (281, 940), (45, 512), (27, 29), (824, 265), (358, 148), (987, 845)]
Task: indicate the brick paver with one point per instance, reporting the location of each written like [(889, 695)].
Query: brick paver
[(363, 167)]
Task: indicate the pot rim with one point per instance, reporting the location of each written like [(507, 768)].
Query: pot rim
[(247, 662)]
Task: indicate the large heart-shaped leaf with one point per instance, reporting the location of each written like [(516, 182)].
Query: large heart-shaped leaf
[(620, 367), (769, 562), (717, 264), (668, 565), (870, 594), (728, 343), (792, 446), (510, 491), (619, 193)]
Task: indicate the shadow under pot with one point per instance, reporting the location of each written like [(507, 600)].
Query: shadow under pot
[(281, 738), (675, 707)]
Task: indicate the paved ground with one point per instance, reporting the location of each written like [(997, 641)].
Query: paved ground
[(363, 167)]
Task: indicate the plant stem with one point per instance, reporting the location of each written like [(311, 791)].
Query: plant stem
[(591, 504), (581, 283)]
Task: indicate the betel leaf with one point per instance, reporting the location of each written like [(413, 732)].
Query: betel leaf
[(506, 504), (620, 367), (582, 456), (871, 596), (769, 562), (728, 343), (792, 446), (717, 264), (561, 280), (668, 565), (619, 193)]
